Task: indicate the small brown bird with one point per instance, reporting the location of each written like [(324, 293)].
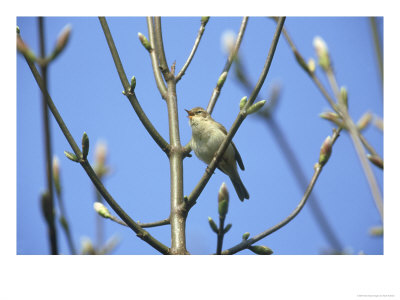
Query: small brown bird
[(207, 136)]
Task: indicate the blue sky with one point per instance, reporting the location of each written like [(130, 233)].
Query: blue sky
[(87, 91)]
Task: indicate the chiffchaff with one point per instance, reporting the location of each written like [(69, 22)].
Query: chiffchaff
[(207, 136)]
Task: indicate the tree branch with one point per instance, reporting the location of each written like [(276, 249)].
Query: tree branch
[(154, 60), (231, 58), (195, 46), (191, 199), (160, 46), (141, 233), (130, 94), (47, 144), (317, 171), (348, 122)]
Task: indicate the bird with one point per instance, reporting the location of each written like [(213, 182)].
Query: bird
[(207, 136)]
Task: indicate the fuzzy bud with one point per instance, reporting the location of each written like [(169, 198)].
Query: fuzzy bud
[(145, 42), (223, 200), (343, 100), (24, 49), (364, 121), (245, 235), (62, 40), (204, 20), (212, 225), (133, 83), (301, 61), (228, 41), (333, 117), (376, 231), (311, 65), (221, 79), (256, 107), (376, 160), (322, 53), (46, 207), (85, 145), (226, 229), (101, 210), (326, 150), (261, 250), (71, 156), (243, 102), (56, 175)]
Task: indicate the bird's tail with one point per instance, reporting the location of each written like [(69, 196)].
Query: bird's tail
[(241, 190)]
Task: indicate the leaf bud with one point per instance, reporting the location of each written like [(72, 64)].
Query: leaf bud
[(212, 225), (261, 250)]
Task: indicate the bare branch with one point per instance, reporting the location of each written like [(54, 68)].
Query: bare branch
[(130, 94), (191, 199), (154, 60), (191, 55), (317, 171)]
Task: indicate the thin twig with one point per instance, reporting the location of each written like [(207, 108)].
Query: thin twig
[(220, 236), (161, 142), (141, 233), (317, 171), (155, 224), (154, 60), (350, 126), (47, 143), (191, 55), (191, 199), (160, 46), (231, 58), (377, 44)]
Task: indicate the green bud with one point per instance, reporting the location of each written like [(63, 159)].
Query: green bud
[(333, 117), (62, 41), (261, 250), (46, 206), (226, 229), (212, 225), (256, 107), (133, 83), (71, 156), (245, 235), (18, 31), (145, 42), (64, 223), (311, 65), (123, 92), (24, 49), (322, 53), (343, 100), (56, 175), (85, 145), (326, 150), (223, 200), (364, 121), (87, 247), (243, 102), (204, 20), (378, 122), (101, 210), (301, 62), (376, 160), (221, 79), (376, 231)]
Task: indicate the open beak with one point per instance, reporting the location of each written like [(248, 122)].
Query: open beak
[(190, 114)]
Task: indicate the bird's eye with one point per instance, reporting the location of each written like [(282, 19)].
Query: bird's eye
[(198, 112)]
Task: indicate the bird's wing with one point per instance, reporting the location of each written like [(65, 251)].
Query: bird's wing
[(237, 154), (238, 157)]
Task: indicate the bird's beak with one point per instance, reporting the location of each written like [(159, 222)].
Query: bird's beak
[(190, 114)]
